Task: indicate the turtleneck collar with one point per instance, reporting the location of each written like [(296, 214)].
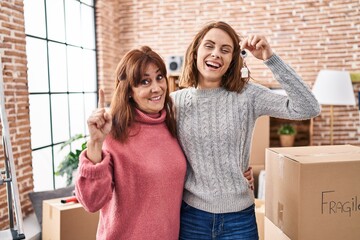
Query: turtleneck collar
[(150, 118), (208, 92)]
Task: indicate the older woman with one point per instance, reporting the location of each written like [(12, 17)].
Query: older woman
[(133, 169)]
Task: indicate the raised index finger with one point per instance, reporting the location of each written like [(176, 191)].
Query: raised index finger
[(101, 102)]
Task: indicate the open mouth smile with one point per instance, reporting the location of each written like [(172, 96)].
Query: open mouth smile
[(155, 99), (213, 65)]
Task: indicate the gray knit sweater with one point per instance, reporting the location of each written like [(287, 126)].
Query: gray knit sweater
[(215, 129)]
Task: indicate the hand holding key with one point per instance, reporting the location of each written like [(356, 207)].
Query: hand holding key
[(258, 46)]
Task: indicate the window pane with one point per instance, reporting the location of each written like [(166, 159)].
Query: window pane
[(59, 155), (57, 67), (77, 144), (37, 65), (87, 31), (75, 78), (34, 17), (55, 20), (73, 26), (77, 114), (90, 106), (40, 120), (60, 117), (88, 2), (42, 169), (89, 70), (61, 73)]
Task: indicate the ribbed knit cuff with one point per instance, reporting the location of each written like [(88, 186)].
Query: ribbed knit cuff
[(90, 170)]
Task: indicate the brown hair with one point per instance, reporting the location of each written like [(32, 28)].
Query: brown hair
[(129, 73), (231, 80)]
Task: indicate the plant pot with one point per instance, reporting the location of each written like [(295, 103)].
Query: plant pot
[(287, 140)]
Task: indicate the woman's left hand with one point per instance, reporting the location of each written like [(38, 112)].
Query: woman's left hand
[(249, 175), (258, 46)]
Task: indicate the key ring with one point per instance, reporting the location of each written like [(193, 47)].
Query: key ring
[(244, 69), (243, 54)]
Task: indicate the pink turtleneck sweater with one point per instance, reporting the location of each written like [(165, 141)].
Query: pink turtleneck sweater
[(138, 185)]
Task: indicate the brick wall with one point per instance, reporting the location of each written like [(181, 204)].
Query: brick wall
[(13, 56), (309, 35), (109, 54), (346, 121)]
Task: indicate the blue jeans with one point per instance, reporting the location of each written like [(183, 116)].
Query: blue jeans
[(200, 225)]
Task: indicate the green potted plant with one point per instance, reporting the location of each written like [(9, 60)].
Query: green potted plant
[(70, 162), (287, 133)]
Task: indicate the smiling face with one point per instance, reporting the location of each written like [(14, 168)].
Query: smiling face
[(149, 95), (214, 56)]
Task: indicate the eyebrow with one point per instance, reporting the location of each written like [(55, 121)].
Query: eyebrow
[(146, 74), (225, 45)]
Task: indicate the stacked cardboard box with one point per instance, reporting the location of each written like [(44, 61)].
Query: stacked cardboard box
[(313, 193), (260, 141), (260, 215), (67, 221)]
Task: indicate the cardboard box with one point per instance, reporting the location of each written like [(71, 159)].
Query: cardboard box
[(272, 232), (313, 193), (67, 221), (260, 140), (260, 214)]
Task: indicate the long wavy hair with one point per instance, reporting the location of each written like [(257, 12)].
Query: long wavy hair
[(231, 80), (129, 73)]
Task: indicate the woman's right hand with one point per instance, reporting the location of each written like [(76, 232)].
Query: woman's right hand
[(99, 124)]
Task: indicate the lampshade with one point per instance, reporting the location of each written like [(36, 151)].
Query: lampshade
[(334, 88)]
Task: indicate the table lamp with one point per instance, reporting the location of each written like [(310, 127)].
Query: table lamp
[(333, 87)]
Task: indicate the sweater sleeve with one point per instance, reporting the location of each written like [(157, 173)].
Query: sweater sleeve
[(94, 184), (298, 104)]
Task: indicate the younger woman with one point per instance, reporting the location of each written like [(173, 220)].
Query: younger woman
[(215, 116)]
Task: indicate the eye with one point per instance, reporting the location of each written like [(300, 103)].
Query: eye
[(145, 82), (159, 77), (207, 45), (225, 50)]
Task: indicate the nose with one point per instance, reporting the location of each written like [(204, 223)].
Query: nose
[(215, 54), (156, 87)]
